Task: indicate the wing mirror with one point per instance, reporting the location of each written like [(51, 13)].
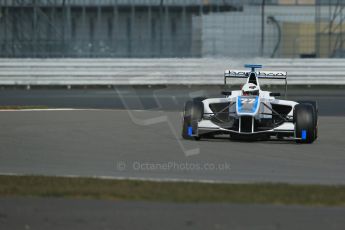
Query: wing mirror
[(226, 93), (275, 94)]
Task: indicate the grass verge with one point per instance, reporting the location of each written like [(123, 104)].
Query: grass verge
[(42, 186), (18, 107)]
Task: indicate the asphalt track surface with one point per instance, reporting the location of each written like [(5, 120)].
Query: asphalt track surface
[(167, 98), (135, 133), (147, 145), (33, 213)]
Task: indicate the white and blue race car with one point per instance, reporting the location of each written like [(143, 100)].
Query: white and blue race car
[(251, 113)]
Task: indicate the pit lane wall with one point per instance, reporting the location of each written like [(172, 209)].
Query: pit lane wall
[(54, 72)]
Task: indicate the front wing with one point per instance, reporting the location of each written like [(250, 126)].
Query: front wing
[(207, 126)]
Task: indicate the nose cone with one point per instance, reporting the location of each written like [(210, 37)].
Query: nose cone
[(247, 105)]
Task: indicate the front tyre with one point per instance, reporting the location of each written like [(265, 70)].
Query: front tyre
[(316, 108), (193, 113), (305, 120)]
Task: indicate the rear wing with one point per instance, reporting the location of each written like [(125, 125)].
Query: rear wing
[(259, 74)]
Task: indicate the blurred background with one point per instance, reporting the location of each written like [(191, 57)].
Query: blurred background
[(172, 28)]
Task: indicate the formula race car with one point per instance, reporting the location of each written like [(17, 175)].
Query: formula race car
[(251, 113)]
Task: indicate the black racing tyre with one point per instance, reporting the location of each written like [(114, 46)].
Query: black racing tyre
[(305, 116), (316, 108), (187, 120), (313, 103), (193, 113)]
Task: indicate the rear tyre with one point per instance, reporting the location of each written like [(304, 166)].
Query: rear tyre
[(193, 113), (305, 120)]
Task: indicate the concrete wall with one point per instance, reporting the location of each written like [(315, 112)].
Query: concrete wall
[(93, 32), (108, 29)]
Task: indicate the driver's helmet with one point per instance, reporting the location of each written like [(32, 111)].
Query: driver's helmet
[(250, 89)]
